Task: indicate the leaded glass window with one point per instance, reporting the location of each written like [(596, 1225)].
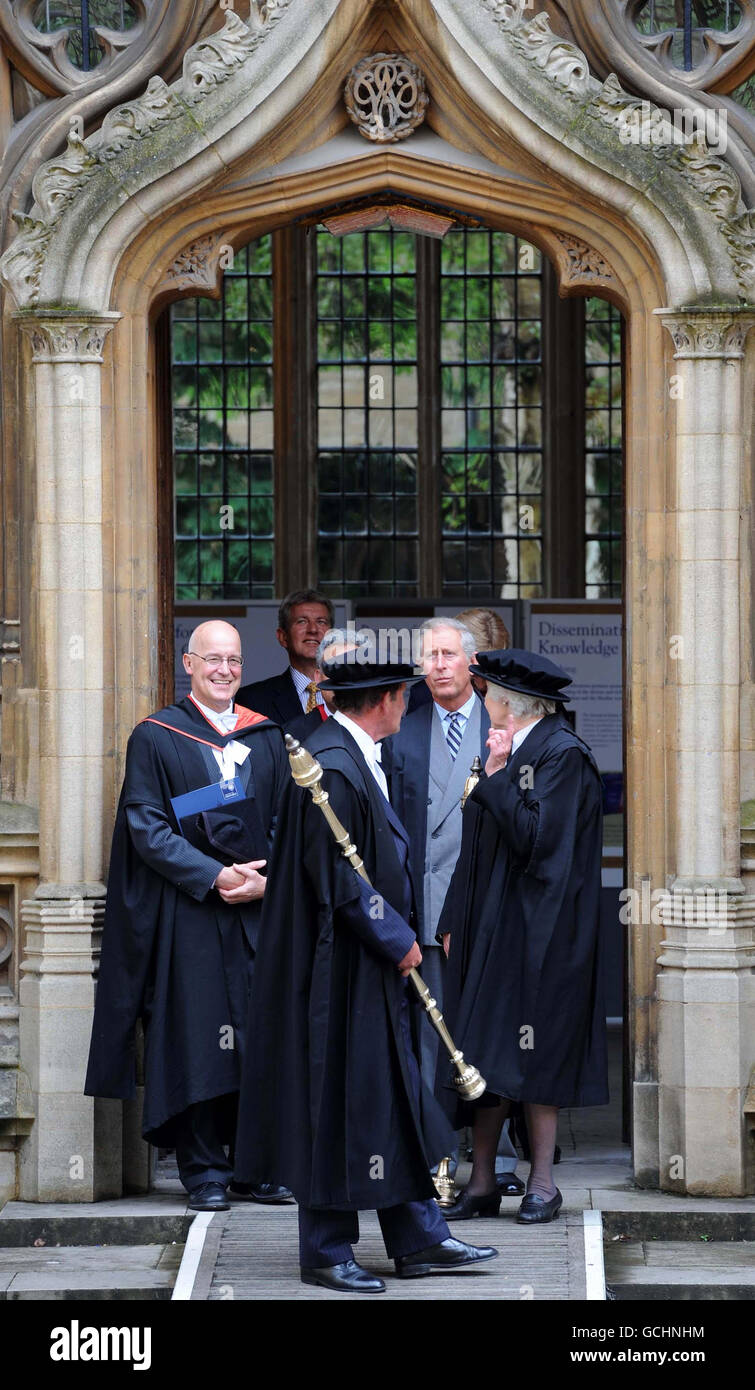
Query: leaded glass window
[(416, 436), (81, 18), (686, 21), (603, 450), (222, 389), (367, 414), (491, 416)]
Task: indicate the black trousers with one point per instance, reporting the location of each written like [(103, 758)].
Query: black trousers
[(327, 1237), (200, 1151)]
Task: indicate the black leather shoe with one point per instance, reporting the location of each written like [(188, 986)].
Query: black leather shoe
[(259, 1192), (209, 1196), (348, 1277), (536, 1209), (509, 1185), (467, 1206), (450, 1254)]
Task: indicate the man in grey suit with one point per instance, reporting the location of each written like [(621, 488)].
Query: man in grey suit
[(428, 761)]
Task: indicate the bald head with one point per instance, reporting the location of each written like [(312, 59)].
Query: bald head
[(213, 660), (206, 636)]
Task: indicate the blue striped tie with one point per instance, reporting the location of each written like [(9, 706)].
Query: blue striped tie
[(454, 734)]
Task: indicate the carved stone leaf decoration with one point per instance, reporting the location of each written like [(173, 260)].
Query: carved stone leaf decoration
[(562, 62), (196, 267), (208, 63), (55, 183), (135, 118), (386, 97), (206, 66), (23, 261), (581, 264)]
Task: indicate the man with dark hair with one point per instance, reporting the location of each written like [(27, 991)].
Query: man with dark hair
[(332, 1100), (303, 619)]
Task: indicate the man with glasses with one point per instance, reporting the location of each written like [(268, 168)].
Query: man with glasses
[(192, 837)]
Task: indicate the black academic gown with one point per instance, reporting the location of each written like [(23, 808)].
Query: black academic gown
[(328, 1105), (173, 953), (524, 989)]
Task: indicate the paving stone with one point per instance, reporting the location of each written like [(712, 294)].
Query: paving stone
[(63, 1272)]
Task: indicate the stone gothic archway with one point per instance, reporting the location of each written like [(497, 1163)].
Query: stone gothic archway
[(251, 136)]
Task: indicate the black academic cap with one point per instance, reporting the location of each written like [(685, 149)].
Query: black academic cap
[(525, 672), (349, 673)]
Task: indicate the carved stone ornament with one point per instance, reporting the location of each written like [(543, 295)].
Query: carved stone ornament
[(64, 338), (386, 97), (206, 66), (561, 62), (580, 264), (708, 333), (196, 267)]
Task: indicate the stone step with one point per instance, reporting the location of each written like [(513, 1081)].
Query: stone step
[(89, 1272), (680, 1269), (648, 1216), (153, 1220)]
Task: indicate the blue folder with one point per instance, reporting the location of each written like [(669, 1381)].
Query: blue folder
[(207, 798)]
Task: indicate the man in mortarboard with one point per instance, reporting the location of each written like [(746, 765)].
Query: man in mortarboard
[(521, 923), (332, 1102), (185, 889)]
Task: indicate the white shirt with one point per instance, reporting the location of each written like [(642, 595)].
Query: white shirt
[(301, 682), (225, 721), (446, 715), (521, 735), (368, 747)]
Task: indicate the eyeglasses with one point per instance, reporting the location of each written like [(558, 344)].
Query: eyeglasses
[(213, 660)]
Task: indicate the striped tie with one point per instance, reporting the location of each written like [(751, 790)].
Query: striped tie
[(454, 734)]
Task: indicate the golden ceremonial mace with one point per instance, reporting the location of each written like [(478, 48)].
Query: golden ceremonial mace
[(307, 773), (475, 773)]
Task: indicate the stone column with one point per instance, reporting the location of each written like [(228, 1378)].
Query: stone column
[(706, 985), (74, 1150)]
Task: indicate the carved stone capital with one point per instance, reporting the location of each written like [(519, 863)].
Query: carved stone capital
[(66, 337), (708, 333), (580, 265)]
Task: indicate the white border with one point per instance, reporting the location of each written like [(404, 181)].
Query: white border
[(187, 1273), (595, 1275)]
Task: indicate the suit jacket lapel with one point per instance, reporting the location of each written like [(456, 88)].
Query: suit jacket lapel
[(459, 770)]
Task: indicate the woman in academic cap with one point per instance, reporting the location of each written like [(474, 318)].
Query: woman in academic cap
[(521, 928)]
